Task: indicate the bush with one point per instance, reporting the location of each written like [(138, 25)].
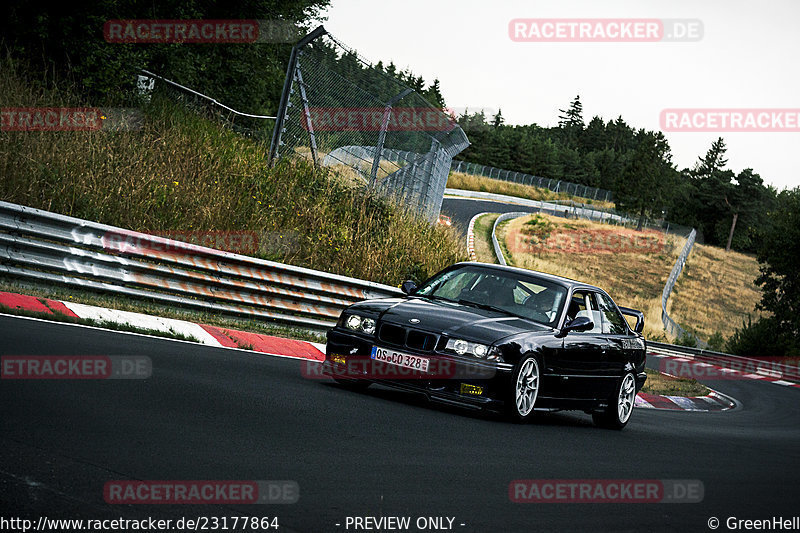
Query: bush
[(686, 339), (762, 338), (716, 341)]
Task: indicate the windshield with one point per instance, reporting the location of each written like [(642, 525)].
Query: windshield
[(521, 295)]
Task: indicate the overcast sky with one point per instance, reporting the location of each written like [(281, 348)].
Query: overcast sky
[(749, 57)]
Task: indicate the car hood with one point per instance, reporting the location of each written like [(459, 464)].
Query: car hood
[(451, 319)]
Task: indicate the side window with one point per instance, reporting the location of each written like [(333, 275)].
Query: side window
[(577, 305), (584, 304), (613, 322)]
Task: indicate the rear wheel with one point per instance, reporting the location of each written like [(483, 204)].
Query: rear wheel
[(620, 406), (524, 390)]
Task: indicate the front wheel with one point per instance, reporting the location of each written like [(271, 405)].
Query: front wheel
[(525, 389), (620, 407)]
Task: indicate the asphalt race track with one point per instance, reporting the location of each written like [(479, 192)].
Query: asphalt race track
[(215, 414), (461, 210)]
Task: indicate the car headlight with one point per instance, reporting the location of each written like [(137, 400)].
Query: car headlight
[(353, 322), (358, 323), (482, 351), (461, 347), (368, 326)]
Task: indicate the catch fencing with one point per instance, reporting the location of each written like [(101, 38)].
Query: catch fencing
[(55, 249), (258, 127), (340, 111), (566, 187)]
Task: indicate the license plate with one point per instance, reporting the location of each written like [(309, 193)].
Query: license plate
[(405, 360)]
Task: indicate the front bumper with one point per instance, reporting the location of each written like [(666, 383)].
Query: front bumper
[(466, 381)]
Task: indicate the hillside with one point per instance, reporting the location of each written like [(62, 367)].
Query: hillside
[(712, 295), (577, 250), (715, 293), (181, 172)]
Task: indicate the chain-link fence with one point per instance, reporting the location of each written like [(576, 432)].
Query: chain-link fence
[(340, 111), (574, 189)]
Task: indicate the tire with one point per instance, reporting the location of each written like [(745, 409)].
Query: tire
[(620, 406), (524, 390), (353, 384)]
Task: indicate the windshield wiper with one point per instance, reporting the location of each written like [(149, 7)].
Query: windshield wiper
[(492, 308), (484, 306), (432, 297)]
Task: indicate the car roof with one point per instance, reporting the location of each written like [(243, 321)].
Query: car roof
[(566, 282)]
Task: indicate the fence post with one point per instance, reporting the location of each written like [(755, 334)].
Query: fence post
[(387, 112), (283, 106), (306, 110)]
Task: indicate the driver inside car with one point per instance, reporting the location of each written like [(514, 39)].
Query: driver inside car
[(492, 291), (545, 303)]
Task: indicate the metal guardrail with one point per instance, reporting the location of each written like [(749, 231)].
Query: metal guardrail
[(575, 189), (759, 366), (495, 243), (672, 327), (57, 249), (550, 207)]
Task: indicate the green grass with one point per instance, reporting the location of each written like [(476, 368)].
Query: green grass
[(483, 238), (182, 172), (470, 182), (658, 383)]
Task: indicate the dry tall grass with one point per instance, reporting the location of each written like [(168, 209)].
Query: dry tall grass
[(633, 279), (715, 292), (469, 182), (484, 252), (182, 172)]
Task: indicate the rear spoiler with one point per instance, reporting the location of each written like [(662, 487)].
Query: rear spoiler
[(636, 314)]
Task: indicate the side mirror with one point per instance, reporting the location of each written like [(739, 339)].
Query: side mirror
[(638, 315), (582, 323), (408, 287)]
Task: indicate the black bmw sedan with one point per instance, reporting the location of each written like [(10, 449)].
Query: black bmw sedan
[(497, 338)]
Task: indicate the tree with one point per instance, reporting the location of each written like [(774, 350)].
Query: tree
[(433, 94), (713, 161), (642, 184), (570, 122), (778, 254), (67, 39), (573, 116), (498, 119)]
